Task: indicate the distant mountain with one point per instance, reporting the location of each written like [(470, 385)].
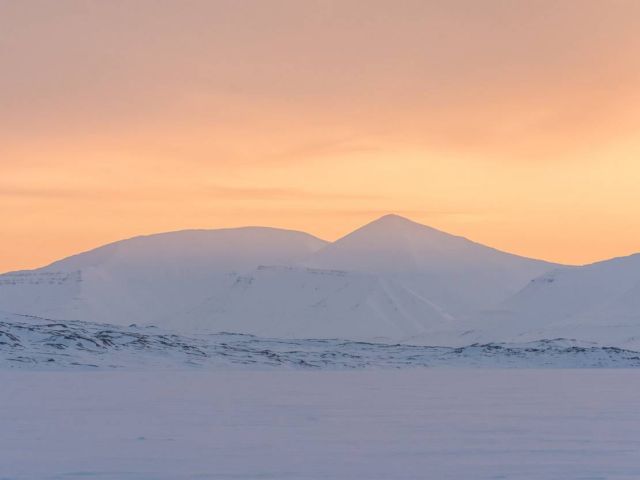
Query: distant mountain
[(150, 279), (298, 302), (227, 249), (458, 275), (597, 302), (391, 280)]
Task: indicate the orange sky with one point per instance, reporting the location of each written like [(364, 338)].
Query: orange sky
[(516, 124)]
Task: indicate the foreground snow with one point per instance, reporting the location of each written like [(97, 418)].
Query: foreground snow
[(31, 342), (291, 424)]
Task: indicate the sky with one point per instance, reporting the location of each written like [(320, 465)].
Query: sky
[(513, 123)]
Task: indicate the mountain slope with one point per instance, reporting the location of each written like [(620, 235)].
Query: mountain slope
[(290, 302), (598, 302), (392, 280), (455, 273), (151, 279), (39, 344)]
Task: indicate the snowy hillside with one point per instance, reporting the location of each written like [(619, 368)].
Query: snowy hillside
[(36, 343), (152, 279), (458, 275), (297, 302), (598, 302)]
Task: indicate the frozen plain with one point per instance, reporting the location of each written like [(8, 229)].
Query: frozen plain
[(415, 423), (544, 390)]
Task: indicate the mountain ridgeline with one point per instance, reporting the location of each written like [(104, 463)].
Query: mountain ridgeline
[(392, 280)]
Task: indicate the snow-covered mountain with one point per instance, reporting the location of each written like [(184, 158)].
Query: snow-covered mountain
[(150, 279), (392, 280), (299, 302), (597, 302), (456, 274)]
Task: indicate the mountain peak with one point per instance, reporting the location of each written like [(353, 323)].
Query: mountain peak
[(397, 226), (393, 219), (396, 243)]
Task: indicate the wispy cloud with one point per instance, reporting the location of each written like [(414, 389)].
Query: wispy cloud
[(48, 192), (283, 193)]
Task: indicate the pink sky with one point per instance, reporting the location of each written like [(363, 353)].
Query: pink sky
[(515, 124)]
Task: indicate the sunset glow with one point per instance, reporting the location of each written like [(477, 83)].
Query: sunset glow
[(514, 124)]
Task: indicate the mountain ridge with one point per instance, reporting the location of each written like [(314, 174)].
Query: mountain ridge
[(392, 280), (384, 219)]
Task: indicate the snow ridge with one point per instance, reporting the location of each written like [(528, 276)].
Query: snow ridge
[(36, 343)]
